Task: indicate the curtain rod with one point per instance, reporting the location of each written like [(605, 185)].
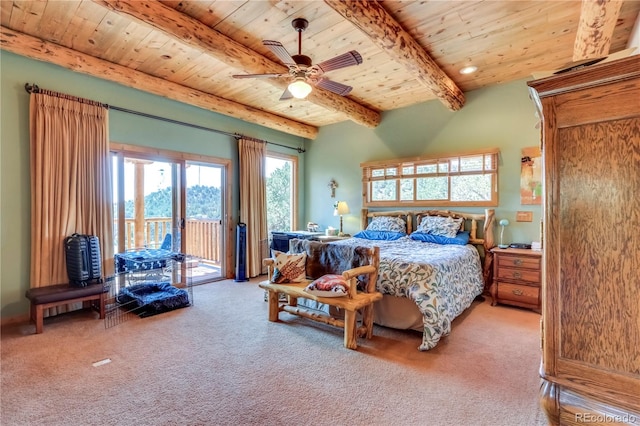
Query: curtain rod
[(33, 88)]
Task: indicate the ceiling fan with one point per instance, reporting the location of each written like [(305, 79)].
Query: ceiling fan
[(301, 71)]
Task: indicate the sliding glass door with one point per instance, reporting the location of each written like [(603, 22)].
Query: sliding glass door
[(203, 225), (174, 204)]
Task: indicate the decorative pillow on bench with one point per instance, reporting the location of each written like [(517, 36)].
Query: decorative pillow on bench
[(288, 268), (329, 285)]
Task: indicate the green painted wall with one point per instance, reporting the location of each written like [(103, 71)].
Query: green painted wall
[(15, 71), (502, 117)]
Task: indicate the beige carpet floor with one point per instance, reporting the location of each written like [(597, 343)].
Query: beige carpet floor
[(220, 362)]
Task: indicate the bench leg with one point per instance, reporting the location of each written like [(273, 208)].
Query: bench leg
[(367, 320), (103, 303), (350, 330), (39, 318), (274, 306)]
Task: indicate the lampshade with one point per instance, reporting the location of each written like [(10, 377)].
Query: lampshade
[(341, 208), (504, 222), (299, 88)]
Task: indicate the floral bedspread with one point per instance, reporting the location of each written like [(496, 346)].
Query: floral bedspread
[(443, 280)]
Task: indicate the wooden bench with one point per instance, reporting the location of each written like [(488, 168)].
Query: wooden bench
[(55, 295), (355, 301)]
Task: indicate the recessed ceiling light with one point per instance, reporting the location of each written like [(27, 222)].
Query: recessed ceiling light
[(469, 70)]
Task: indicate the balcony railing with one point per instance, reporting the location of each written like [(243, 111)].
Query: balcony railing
[(204, 236)]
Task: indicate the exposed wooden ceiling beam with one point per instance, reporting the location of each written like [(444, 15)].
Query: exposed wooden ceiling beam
[(373, 20), (598, 19), (34, 48), (196, 34)]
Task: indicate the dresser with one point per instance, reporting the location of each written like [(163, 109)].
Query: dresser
[(591, 267), (516, 278)]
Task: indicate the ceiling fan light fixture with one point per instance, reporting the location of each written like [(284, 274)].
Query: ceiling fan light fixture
[(299, 88)]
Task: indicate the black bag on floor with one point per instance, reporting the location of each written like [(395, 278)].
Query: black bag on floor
[(84, 263)]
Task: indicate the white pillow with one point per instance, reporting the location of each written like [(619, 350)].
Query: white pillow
[(387, 223), (329, 285), (289, 268), (438, 225)]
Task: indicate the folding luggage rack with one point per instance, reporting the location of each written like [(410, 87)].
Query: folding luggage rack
[(150, 285)]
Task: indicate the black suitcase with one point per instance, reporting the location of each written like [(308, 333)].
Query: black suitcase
[(84, 263)]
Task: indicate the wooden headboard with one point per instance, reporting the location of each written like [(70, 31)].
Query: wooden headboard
[(471, 223)]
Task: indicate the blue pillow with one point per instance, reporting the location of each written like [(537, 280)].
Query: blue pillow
[(461, 238), (380, 235)]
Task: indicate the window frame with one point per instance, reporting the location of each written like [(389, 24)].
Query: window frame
[(294, 184), (395, 170)]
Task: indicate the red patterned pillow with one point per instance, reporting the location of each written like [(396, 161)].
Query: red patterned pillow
[(329, 285), (289, 268)]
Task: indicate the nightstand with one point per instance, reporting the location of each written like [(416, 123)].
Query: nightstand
[(517, 278), (329, 238)]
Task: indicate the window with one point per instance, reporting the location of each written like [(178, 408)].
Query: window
[(468, 179), (281, 177)]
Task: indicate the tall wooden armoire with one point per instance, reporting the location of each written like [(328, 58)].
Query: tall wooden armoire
[(591, 241)]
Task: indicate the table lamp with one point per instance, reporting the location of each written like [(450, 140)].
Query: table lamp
[(341, 209), (503, 223)]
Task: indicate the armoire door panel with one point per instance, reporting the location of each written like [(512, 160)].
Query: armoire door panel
[(596, 211)]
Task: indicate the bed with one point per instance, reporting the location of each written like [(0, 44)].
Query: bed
[(427, 284)]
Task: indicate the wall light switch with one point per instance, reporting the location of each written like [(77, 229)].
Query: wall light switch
[(524, 216)]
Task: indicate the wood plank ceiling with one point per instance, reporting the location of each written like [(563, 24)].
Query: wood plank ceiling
[(412, 50)]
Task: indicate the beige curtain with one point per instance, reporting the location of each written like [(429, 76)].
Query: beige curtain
[(70, 182), (253, 201)]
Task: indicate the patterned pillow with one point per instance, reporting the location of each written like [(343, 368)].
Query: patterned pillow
[(329, 285), (387, 223), (437, 225), (289, 268)]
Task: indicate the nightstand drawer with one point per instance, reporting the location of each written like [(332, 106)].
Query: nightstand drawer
[(532, 276), (519, 293), (519, 262)]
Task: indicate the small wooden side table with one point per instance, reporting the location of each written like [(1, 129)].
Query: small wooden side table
[(517, 278)]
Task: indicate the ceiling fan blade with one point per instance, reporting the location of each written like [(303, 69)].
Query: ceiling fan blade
[(332, 86), (286, 95), (278, 49), (345, 60), (258, 75)]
